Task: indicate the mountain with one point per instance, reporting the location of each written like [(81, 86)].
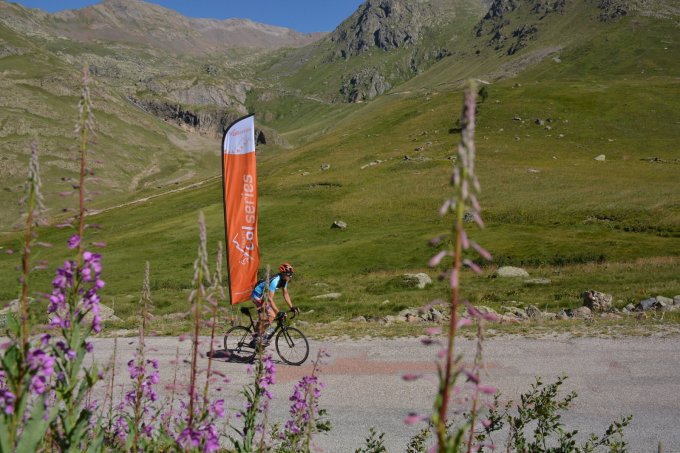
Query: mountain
[(164, 88), (141, 23), (360, 125)]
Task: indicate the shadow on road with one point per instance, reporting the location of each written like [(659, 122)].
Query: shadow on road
[(233, 356), (227, 355)]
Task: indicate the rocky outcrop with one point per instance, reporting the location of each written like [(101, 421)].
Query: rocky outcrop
[(503, 33), (382, 24), (612, 10), (210, 122), (597, 301), (364, 86)]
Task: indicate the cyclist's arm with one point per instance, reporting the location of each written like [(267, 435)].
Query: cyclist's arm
[(272, 303), (286, 297)]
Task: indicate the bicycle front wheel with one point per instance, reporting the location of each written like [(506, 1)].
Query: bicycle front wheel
[(239, 344), (292, 346)]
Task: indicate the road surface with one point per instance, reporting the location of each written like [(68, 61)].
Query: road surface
[(364, 385)]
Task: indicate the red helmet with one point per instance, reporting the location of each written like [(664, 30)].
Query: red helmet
[(286, 268)]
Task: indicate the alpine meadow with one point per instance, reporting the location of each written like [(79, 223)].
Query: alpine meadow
[(570, 136), (563, 84)]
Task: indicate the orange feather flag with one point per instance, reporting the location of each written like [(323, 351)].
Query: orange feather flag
[(239, 177)]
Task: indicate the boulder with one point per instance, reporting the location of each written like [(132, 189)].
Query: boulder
[(486, 310), (12, 306), (664, 300), (676, 300), (581, 312), (537, 281), (175, 316), (106, 313), (534, 312), (508, 318), (600, 158), (412, 318), (511, 272), (325, 167), (630, 307), (408, 312), (435, 315), (339, 225), (358, 319), (549, 316), (516, 311), (331, 296), (597, 301), (647, 304), (420, 280)]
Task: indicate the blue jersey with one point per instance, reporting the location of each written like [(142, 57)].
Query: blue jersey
[(275, 283)]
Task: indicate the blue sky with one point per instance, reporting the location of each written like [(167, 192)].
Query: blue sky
[(300, 15)]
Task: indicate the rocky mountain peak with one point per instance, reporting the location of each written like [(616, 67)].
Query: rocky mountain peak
[(383, 24)]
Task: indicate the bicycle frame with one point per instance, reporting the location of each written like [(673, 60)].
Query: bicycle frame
[(280, 325), (291, 344)]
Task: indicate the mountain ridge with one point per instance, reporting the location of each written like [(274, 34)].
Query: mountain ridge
[(137, 21), (300, 95)]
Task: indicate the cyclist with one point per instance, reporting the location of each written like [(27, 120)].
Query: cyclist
[(266, 307)]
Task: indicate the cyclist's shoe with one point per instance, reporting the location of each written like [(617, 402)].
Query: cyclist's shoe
[(255, 342)]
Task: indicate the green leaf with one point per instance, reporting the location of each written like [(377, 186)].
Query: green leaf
[(13, 325), (97, 444), (79, 431), (35, 428), (4, 436)]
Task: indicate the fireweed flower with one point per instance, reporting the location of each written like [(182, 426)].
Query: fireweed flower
[(300, 410), (268, 376), (151, 379), (217, 408), (7, 398), (74, 241), (41, 365), (70, 275)]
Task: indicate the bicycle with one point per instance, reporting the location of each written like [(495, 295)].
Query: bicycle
[(241, 342)]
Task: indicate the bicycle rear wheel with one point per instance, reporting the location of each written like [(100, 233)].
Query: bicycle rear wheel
[(292, 346), (239, 344)]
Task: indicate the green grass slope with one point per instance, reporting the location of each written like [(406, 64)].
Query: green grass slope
[(135, 152), (611, 225)]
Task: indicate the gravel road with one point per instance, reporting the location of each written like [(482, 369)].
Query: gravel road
[(364, 388)]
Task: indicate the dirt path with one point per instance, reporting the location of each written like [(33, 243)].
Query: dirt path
[(156, 195), (364, 387)]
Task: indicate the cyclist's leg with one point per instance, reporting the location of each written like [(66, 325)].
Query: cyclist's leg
[(260, 321)]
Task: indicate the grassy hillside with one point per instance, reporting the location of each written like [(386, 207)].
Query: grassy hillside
[(135, 151), (611, 225)]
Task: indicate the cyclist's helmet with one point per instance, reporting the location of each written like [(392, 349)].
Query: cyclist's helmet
[(286, 269)]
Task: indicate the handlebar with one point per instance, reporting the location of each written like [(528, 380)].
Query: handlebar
[(280, 316)]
